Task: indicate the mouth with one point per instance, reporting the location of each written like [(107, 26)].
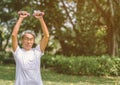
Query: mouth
[(28, 45)]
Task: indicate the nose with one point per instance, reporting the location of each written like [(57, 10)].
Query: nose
[(29, 41)]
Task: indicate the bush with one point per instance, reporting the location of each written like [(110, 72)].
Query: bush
[(117, 65), (98, 66), (89, 65), (2, 54), (107, 66), (6, 57)]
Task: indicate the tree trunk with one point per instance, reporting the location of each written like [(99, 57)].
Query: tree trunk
[(111, 41)]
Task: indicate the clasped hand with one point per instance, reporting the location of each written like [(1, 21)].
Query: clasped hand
[(37, 14)]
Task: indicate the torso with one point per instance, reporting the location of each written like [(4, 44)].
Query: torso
[(28, 67)]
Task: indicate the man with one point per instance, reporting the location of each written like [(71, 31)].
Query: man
[(27, 58)]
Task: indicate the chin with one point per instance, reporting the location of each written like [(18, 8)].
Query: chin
[(28, 48)]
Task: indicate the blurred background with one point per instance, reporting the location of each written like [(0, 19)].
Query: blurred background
[(77, 27), (85, 31)]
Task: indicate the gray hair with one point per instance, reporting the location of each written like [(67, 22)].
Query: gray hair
[(29, 32)]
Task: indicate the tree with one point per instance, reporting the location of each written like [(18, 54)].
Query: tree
[(8, 9), (53, 15), (93, 16), (80, 27), (109, 13)]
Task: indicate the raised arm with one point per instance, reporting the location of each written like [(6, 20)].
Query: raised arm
[(45, 38), (22, 15)]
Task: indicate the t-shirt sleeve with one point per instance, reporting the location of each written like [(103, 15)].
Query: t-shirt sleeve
[(16, 53), (38, 49)]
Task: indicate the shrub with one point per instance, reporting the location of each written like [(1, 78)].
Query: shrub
[(117, 65), (6, 57), (107, 66), (89, 65), (2, 54), (82, 65)]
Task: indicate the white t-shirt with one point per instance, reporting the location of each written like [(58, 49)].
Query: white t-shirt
[(28, 66)]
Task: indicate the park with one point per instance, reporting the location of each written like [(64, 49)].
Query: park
[(84, 40)]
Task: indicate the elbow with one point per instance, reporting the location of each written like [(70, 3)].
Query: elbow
[(13, 34), (47, 36)]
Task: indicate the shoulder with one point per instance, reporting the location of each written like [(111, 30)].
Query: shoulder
[(18, 50), (38, 50), (17, 54)]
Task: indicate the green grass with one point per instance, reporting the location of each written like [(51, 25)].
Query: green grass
[(7, 76)]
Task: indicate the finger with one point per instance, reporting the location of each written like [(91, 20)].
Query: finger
[(23, 13), (28, 14), (38, 13), (41, 14)]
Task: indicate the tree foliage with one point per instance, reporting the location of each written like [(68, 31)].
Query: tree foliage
[(77, 27)]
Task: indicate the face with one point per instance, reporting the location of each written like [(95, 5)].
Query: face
[(27, 41)]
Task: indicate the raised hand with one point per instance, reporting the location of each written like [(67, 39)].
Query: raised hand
[(23, 14), (38, 14)]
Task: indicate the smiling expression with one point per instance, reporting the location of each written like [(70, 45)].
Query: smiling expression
[(27, 41)]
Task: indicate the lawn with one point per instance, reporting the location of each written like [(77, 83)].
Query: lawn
[(7, 74)]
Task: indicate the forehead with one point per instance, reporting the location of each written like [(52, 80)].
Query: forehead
[(28, 35)]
